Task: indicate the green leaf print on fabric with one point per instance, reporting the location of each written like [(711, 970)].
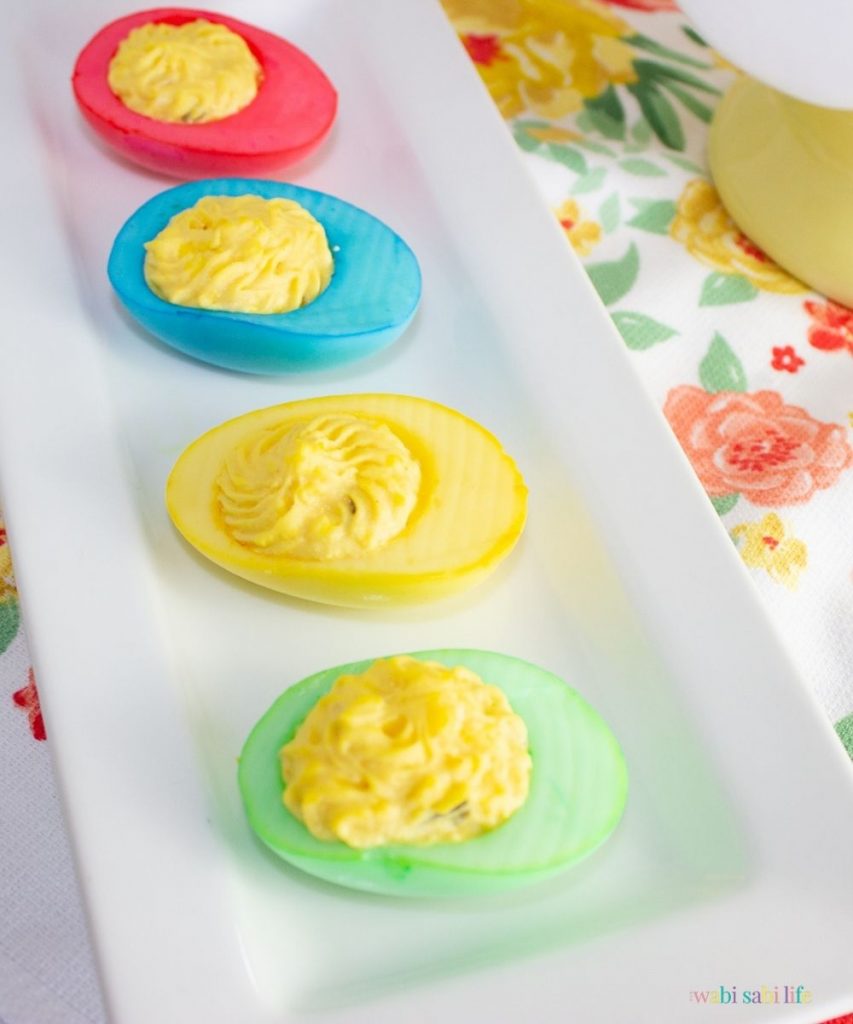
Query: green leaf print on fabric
[(685, 164), (844, 728), (533, 137), (614, 280), (610, 213), (703, 112), (694, 36), (659, 113), (589, 182), (726, 289), (644, 168), (527, 136), (654, 215), (648, 89), (521, 134), (10, 621), (720, 369), (640, 331), (569, 157), (641, 133), (606, 113), (725, 504), (640, 42), (583, 121), (596, 147), (647, 70)]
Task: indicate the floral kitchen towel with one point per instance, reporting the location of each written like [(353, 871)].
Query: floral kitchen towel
[(47, 975), (611, 104)]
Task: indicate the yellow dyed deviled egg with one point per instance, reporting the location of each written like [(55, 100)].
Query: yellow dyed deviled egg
[(355, 500)]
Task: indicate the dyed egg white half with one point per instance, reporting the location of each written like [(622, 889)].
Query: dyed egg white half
[(577, 795), (372, 297)]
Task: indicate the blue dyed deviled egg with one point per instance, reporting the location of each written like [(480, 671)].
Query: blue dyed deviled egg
[(186, 261)]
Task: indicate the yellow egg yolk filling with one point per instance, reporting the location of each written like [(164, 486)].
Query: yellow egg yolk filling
[(190, 73), (245, 254), (333, 487), (407, 752)]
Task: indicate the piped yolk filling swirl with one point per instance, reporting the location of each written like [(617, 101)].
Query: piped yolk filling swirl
[(334, 487), (190, 73), (407, 752), (245, 254)]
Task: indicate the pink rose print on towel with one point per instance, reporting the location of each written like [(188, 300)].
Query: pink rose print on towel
[(755, 445)]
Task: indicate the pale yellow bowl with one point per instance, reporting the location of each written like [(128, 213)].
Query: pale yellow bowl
[(784, 170)]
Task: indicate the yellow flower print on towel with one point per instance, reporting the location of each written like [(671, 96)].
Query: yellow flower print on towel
[(767, 545), (703, 226), (583, 234), (552, 133), (544, 56), (7, 579)]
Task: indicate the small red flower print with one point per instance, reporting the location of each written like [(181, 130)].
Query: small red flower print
[(755, 445), (483, 50), (786, 358), (28, 699), (832, 328)]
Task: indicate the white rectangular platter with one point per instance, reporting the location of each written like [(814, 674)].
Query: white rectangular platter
[(734, 863)]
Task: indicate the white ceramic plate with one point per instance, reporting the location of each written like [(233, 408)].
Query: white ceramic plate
[(732, 866)]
